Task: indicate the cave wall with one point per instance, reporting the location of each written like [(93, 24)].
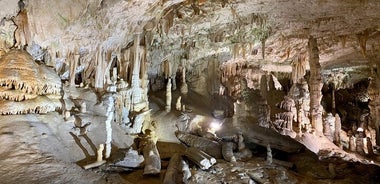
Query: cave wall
[(89, 37)]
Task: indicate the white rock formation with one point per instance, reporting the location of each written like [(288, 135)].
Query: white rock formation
[(109, 115), (168, 95), (99, 159), (178, 105)]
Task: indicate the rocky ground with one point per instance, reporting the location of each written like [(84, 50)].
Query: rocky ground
[(46, 149)]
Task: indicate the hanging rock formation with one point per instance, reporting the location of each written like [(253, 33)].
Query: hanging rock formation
[(27, 87)]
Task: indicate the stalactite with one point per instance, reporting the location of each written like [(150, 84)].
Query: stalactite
[(264, 108), (73, 58), (343, 40), (243, 52), (143, 55), (107, 70), (288, 52), (26, 86), (138, 98), (99, 73), (196, 8), (166, 69), (126, 68), (263, 48), (315, 85), (362, 39), (22, 33), (298, 68), (235, 51)]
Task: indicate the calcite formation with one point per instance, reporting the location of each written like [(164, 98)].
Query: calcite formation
[(283, 73), (27, 87)]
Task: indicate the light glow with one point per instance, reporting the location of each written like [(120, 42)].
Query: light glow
[(215, 126)]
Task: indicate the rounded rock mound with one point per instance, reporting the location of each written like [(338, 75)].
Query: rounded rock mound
[(27, 87)]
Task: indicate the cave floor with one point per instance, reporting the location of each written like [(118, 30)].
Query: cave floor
[(45, 149)]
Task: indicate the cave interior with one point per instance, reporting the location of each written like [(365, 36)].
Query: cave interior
[(190, 91)]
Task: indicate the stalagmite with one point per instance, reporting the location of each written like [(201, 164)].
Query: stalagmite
[(184, 89), (174, 83), (122, 103), (67, 115), (227, 151), (151, 155), (374, 107), (99, 159), (329, 127), (338, 127), (83, 107), (138, 123), (315, 86), (284, 120), (200, 158), (178, 105), (269, 155), (114, 74), (369, 146), (352, 143), (372, 135), (109, 114), (168, 95), (360, 146)]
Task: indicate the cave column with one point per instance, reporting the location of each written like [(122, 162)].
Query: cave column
[(184, 89), (168, 95), (315, 85), (264, 109), (74, 59), (333, 104), (374, 106), (137, 91)]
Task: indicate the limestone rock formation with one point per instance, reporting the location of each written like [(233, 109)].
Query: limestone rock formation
[(252, 64), (27, 87)]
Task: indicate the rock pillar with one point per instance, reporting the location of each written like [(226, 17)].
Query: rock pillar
[(168, 95), (315, 86)]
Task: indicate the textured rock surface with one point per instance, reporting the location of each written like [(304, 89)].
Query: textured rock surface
[(188, 34), (238, 48)]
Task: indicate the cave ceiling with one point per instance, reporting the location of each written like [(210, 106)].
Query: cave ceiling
[(347, 31)]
